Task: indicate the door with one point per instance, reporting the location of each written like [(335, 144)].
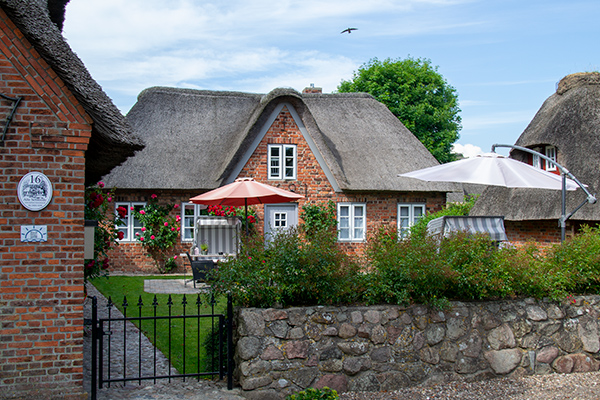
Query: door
[(279, 217)]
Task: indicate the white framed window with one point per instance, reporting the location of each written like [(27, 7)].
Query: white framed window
[(189, 216), (551, 154), (536, 160), (282, 161), (280, 220), (131, 225), (352, 221), (408, 215)]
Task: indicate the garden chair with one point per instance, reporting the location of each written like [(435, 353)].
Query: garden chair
[(199, 269)]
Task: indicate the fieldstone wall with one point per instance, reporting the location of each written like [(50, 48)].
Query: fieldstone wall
[(383, 348)]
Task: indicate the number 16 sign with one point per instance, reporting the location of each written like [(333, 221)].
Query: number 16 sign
[(35, 191)]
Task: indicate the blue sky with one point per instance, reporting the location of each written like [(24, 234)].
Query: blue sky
[(504, 57)]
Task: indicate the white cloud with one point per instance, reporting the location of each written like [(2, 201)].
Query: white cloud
[(467, 150)]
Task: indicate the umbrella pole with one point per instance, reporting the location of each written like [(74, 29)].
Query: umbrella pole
[(246, 212)]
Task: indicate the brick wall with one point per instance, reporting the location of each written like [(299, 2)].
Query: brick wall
[(41, 284), (542, 232)]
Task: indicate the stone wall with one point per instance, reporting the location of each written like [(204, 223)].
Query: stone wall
[(383, 348)]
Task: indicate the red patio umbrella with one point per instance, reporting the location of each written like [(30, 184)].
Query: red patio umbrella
[(245, 191)]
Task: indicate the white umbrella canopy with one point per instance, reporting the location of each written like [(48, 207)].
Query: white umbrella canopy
[(494, 170)]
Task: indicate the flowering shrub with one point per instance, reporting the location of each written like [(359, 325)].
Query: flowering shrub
[(230, 211), (289, 270), (159, 230), (98, 207)]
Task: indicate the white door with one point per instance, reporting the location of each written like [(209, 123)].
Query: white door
[(280, 217)]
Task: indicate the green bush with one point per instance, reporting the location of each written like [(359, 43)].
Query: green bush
[(288, 270), (575, 265), (314, 394), (469, 267)]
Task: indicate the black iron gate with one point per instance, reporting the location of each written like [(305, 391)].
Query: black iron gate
[(103, 332)]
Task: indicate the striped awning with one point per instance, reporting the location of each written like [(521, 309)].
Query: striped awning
[(493, 226)]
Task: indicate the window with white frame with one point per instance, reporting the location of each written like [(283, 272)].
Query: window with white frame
[(408, 215), (551, 154), (282, 161), (189, 215), (352, 221), (536, 160), (130, 225)]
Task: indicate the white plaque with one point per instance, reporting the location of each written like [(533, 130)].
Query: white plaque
[(35, 191), (34, 233)]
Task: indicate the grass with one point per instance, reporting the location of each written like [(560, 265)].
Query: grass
[(132, 288)]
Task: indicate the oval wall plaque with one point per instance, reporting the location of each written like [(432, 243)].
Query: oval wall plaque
[(34, 191)]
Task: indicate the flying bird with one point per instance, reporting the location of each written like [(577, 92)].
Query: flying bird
[(348, 30)]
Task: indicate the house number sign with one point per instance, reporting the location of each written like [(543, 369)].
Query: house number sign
[(35, 191)]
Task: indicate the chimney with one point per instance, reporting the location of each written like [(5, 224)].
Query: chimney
[(312, 89)]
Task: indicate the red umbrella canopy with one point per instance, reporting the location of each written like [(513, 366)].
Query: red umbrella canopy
[(245, 191)]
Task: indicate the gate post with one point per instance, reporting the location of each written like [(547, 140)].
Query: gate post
[(94, 347), (229, 342)]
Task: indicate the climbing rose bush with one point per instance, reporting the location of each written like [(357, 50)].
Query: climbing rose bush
[(159, 231), (98, 207)]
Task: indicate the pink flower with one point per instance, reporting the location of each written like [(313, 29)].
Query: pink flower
[(143, 229), (142, 239), (172, 228), (101, 184), (176, 206), (249, 258), (166, 224), (153, 196), (109, 199), (132, 209), (151, 237), (137, 234), (142, 212), (178, 218), (174, 257), (178, 228)]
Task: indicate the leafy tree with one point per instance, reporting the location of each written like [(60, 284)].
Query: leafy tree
[(418, 95)]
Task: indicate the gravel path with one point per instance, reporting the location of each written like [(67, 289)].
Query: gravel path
[(582, 386)]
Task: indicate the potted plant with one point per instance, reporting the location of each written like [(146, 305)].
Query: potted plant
[(204, 248)]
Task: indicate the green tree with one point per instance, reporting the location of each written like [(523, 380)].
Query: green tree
[(418, 95)]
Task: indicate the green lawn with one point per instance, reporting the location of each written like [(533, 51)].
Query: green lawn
[(132, 288)]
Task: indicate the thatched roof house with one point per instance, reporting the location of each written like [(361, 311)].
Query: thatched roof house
[(347, 148), (112, 141), (202, 139), (569, 122)]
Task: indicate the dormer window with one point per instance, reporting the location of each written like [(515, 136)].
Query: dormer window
[(282, 161)]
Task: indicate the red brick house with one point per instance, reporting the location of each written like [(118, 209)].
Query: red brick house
[(565, 129), (65, 132), (348, 148)]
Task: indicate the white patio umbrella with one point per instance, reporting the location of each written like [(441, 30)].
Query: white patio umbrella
[(495, 170)]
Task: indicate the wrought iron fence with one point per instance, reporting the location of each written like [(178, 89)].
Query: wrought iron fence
[(205, 343)]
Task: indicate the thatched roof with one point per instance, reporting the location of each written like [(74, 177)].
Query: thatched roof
[(569, 120), (200, 139), (112, 141)]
